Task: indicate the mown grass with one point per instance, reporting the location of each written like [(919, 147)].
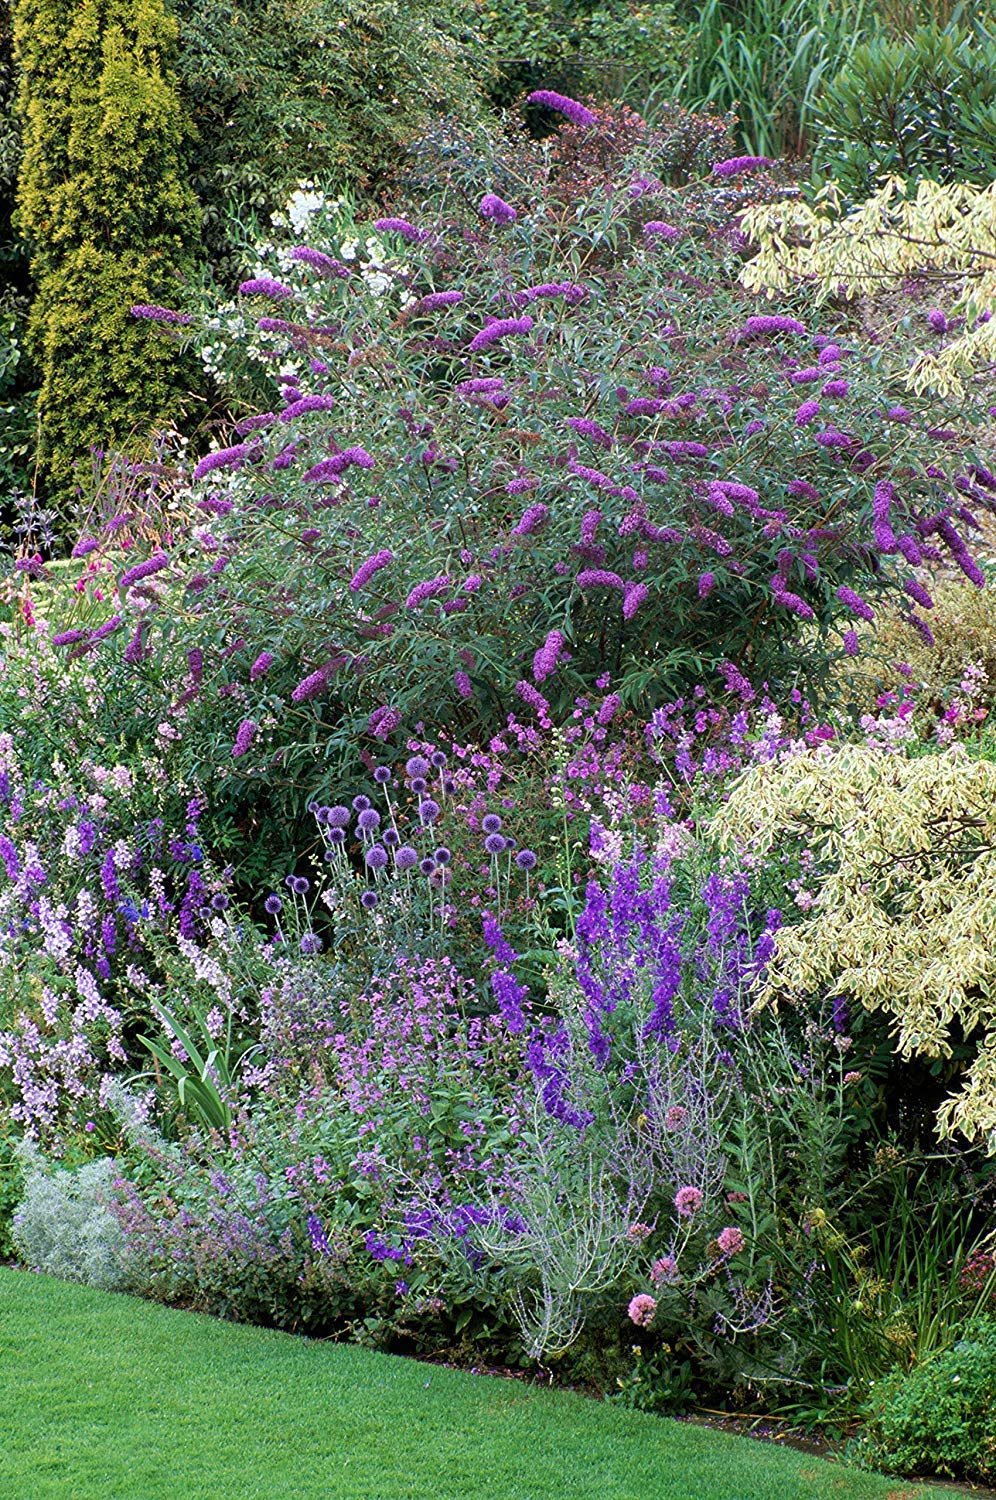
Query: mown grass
[(106, 1398)]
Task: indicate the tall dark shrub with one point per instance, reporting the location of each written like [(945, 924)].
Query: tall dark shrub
[(107, 213)]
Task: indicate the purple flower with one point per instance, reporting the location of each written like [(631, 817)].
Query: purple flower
[(376, 857), (158, 314), (919, 593), (463, 684), (406, 858), (833, 439), (510, 995), (84, 546), (835, 388), (306, 403), (265, 286), (383, 722), (108, 628), (154, 564), (400, 227), (481, 385), (496, 209), (586, 428), (707, 583), (790, 601), (273, 905), (496, 843), (366, 570), (429, 589), (491, 823), (899, 414), (910, 549), (260, 666), (575, 112), (850, 639), (529, 695), (369, 820), (634, 595), (532, 519), (244, 737), (526, 859), (590, 578), (368, 900), (224, 458), (763, 324), (68, 637), (937, 320), (657, 230), (734, 165), (855, 603), (829, 354), (319, 261), (311, 686), (546, 658), (436, 300), (610, 707), (806, 377), (428, 812), (501, 328)]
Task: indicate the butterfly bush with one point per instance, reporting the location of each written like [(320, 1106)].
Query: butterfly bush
[(428, 492)]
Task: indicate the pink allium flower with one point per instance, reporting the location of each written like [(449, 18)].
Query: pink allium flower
[(641, 1309), (688, 1200), (676, 1117), (638, 1232), (664, 1269), (730, 1240)]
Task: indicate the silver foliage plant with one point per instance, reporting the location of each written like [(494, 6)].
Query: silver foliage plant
[(63, 1226)]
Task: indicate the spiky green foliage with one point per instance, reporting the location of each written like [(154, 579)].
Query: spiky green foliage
[(103, 203)]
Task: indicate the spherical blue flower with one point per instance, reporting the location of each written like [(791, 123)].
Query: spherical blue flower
[(391, 838), (273, 904), (417, 766), (311, 943), (495, 843), (360, 803), (449, 786), (369, 900), (406, 858), (427, 865), (369, 820), (428, 811), (382, 775), (300, 885), (338, 817), (438, 759), (376, 857), (220, 901), (420, 785), (442, 856), (337, 836), (526, 859), (491, 823)]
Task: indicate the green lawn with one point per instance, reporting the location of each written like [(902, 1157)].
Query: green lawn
[(107, 1398)]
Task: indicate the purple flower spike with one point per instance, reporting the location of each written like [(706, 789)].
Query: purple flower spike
[(265, 286), (735, 165), (501, 328), (575, 112), (658, 230), (401, 227), (244, 738), (496, 209)]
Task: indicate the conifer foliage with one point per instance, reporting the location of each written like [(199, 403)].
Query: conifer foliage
[(109, 218)]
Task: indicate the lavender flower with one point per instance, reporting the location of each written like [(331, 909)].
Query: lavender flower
[(546, 658), (383, 722), (707, 583), (84, 546), (311, 687), (463, 684), (807, 411), (529, 695), (919, 593), (68, 637), (835, 388), (495, 208), (510, 994), (501, 328), (366, 570), (575, 112)]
